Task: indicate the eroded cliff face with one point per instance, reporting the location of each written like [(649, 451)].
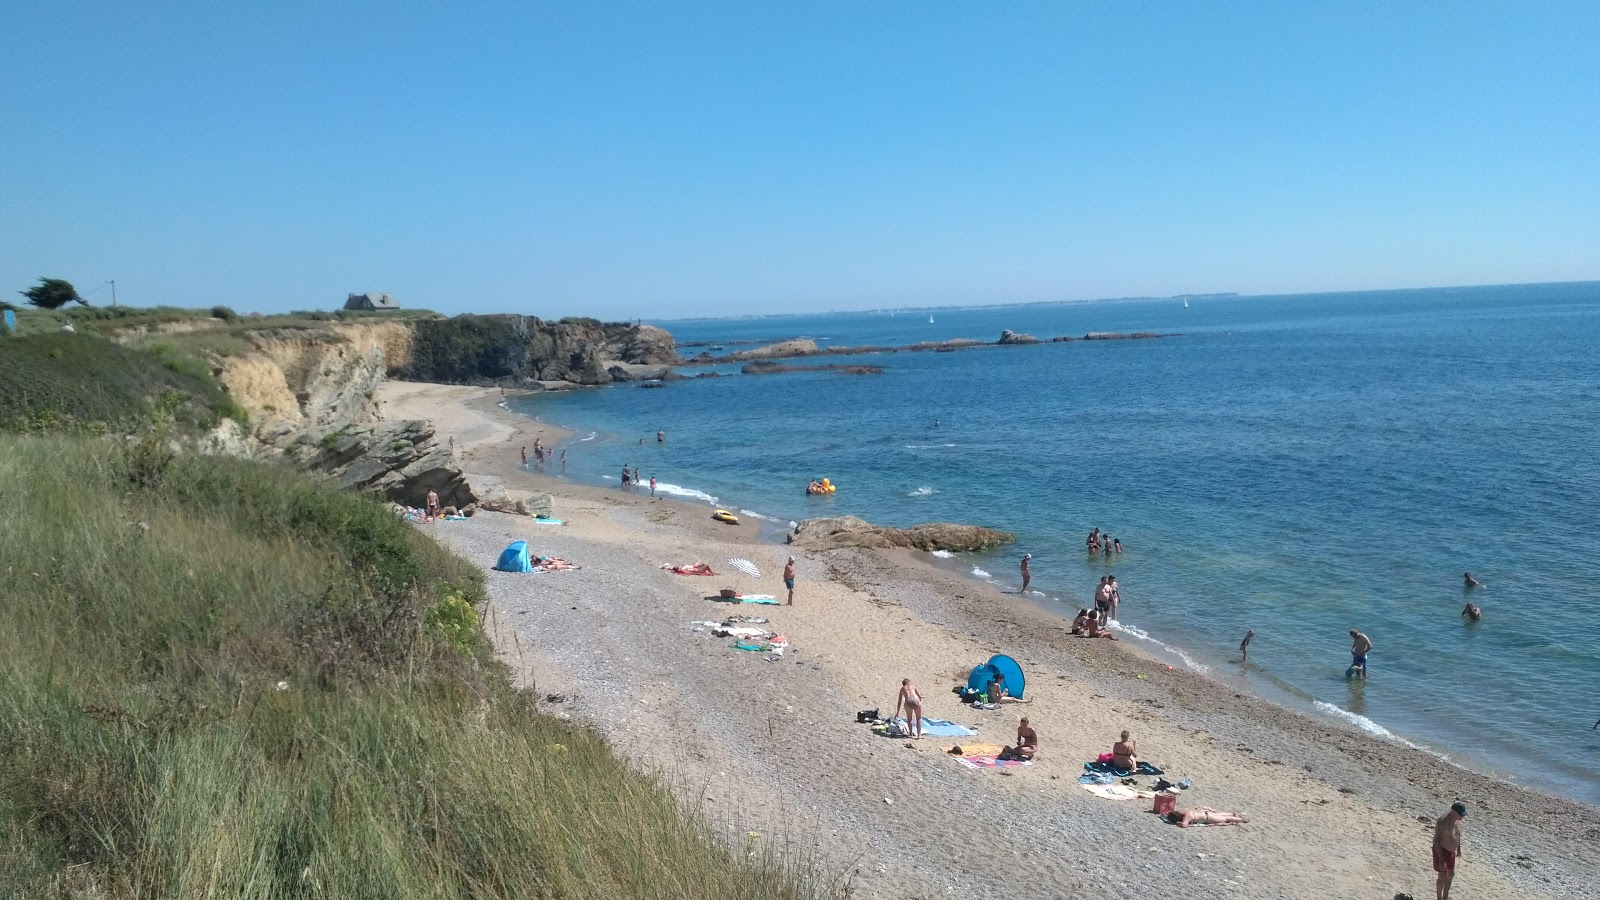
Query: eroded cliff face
[(293, 381), (523, 351)]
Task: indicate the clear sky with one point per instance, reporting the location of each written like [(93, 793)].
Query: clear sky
[(668, 159)]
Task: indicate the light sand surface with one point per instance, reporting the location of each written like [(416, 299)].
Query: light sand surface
[(772, 747)]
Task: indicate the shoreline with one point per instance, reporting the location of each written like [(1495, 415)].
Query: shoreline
[(1365, 787)]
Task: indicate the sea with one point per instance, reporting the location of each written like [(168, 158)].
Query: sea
[(1293, 465)]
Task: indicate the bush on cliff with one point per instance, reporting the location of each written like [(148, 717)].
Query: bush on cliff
[(465, 349), (223, 680)]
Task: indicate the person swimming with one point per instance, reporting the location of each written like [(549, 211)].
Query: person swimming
[(1472, 612), (1468, 582)]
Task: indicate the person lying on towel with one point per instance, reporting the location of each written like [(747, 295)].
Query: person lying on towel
[(1205, 815), (554, 564)]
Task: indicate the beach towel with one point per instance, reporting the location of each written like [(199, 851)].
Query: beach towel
[(1098, 766), (763, 599), (991, 762), (977, 750), (548, 522), (455, 518), (943, 728), (1111, 791)]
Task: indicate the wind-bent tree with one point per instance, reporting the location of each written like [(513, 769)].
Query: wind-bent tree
[(53, 293)]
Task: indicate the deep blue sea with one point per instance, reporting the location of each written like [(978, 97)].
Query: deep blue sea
[(1297, 465)]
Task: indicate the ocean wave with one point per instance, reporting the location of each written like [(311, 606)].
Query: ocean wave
[(922, 492), (755, 515), (591, 436), (942, 554), (680, 491), (1140, 634), (928, 446), (979, 572), (1361, 722)]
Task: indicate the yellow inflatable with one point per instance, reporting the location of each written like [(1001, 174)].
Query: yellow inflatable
[(723, 515), (822, 486)]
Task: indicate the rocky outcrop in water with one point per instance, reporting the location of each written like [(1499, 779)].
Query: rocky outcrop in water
[(849, 531), (764, 367), (1011, 337)]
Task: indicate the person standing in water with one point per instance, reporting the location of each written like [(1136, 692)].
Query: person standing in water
[(1360, 646), (524, 457), (788, 579), (1026, 576), (661, 437), (1472, 612), (563, 460), (652, 485), (1244, 645), (1468, 582)]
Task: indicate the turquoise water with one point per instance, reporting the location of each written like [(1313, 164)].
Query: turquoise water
[(1296, 465)]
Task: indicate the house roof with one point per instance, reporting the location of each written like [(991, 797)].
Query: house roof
[(371, 300)]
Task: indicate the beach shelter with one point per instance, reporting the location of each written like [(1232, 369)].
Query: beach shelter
[(999, 664), (515, 559)]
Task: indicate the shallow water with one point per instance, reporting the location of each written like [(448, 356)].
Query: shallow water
[(1296, 465)]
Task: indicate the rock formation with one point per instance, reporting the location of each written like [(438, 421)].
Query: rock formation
[(849, 531), (399, 461), (1011, 337), (767, 367), (780, 350)]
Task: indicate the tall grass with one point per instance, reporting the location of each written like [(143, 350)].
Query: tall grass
[(228, 684)]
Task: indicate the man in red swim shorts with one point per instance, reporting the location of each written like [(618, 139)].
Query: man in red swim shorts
[(1447, 848)]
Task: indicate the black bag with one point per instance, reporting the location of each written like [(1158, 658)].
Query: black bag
[(867, 715)]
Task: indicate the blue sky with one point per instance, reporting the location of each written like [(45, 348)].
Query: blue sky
[(661, 160)]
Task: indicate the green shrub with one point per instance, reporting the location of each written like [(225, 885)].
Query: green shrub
[(465, 349), (579, 320), (225, 313)]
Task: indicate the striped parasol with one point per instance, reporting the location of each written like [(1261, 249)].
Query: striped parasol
[(745, 566)]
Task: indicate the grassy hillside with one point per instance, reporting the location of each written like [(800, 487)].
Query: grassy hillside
[(220, 680), (51, 380)]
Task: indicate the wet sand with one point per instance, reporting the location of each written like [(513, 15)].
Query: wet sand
[(771, 747)]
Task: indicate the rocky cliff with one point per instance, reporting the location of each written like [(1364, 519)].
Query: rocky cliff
[(524, 351), (293, 380)]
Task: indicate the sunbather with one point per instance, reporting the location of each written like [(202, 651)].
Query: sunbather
[(1125, 754), (1080, 624), (1205, 815), (998, 693), (1027, 742), (555, 564), (1095, 630)]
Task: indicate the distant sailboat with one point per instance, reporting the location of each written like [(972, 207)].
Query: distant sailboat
[(1186, 303), (930, 318)]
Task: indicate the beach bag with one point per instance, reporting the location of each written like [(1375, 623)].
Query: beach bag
[(1106, 757), (867, 715), (1166, 803), (898, 728)]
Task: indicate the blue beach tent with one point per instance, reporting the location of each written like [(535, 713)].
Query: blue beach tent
[(998, 664), (515, 558)]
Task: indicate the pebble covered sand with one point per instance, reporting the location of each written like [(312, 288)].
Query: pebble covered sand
[(769, 750)]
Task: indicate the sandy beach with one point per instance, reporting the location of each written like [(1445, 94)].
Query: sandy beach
[(770, 749)]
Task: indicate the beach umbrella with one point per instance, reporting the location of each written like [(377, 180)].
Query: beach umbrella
[(745, 566)]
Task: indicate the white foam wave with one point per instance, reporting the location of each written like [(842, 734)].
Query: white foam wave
[(755, 515), (1139, 634), (922, 492), (591, 436), (1359, 721), (928, 446), (942, 554), (679, 491), (979, 572)]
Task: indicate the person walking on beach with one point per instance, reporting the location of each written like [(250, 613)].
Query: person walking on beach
[(624, 477), (788, 579), (911, 699), (1026, 577), (652, 485), (1116, 595), (1244, 645), (1447, 848), (1360, 646), (524, 457)]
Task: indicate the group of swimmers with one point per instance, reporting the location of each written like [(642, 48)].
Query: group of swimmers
[(543, 454), (631, 479), (1106, 544)]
